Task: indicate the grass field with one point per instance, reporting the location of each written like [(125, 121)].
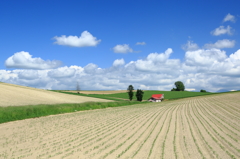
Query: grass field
[(13, 113), (146, 95), (198, 127)]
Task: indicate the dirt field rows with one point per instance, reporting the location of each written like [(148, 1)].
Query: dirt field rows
[(15, 95), (199, 127)]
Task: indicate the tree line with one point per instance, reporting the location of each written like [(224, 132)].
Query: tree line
[(139, 93)]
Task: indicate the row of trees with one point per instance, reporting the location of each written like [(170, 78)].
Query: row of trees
[(139, 93)]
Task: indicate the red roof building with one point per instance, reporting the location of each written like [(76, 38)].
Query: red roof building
[(156, 98)]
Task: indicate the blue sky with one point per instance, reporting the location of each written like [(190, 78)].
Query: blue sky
[(105, 45)]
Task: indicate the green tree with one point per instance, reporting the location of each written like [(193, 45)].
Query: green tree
[(179, 86), (139, 95), (130, 92), (174, 89), (203, 90)]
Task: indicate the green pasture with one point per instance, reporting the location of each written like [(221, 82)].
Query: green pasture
[(13, 113), (147, 94)]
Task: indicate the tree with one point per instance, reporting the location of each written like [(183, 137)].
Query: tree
[(78, 88), (174, 89), (139, 95), (203, 90), (130, 92), (179, 86)]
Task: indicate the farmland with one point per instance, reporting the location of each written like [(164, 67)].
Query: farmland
[(122, 94), (15, 95), (197, 127), (97, 92)]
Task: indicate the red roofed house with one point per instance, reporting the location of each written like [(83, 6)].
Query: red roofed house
[(156, 98)]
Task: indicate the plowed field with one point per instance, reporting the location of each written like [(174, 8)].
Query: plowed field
[(198, 127), (15, 95)]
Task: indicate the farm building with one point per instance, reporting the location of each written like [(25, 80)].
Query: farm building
[(156, 98)]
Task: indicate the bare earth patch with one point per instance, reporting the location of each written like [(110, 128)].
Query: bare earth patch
[(199, 127), (15, 95)]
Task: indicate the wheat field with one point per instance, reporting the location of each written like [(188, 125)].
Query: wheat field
[(198, 127), (15, 95)]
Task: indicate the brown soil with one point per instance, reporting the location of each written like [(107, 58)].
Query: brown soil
[(187, 128)]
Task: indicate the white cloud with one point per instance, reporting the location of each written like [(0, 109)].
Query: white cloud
[(156, 62), (162, 57), (203, 57), (229, 17), (122, 48), (140, 43), (118, 62), (86, 39), (222, 30), (143, 87), (235, 56), (190, 89), (90, 68), (225, 43), (208, 69), (190, 46), (62, 72), (24, 60), (28, 74)]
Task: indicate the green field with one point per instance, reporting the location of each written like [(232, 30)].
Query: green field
[(13, 113), (167, 94), (147, 94)]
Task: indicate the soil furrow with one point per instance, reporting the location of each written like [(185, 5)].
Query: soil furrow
[(198, 127)]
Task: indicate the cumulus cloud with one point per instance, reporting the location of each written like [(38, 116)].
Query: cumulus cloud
[(86, 39), (209, 69), (28, 74), (225, 43), (203, 57), (190, 46), (222, 30), (229, 17), (90, 68), (24, 60), (122, 48), (118, 62), (62, 72), (140, 43), (156, 62), (235, 56), (160, 58)]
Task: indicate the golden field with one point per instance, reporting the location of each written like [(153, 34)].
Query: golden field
[(15, 95)]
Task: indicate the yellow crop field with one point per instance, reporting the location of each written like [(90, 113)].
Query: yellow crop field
[(199, 127), (15, 95)]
